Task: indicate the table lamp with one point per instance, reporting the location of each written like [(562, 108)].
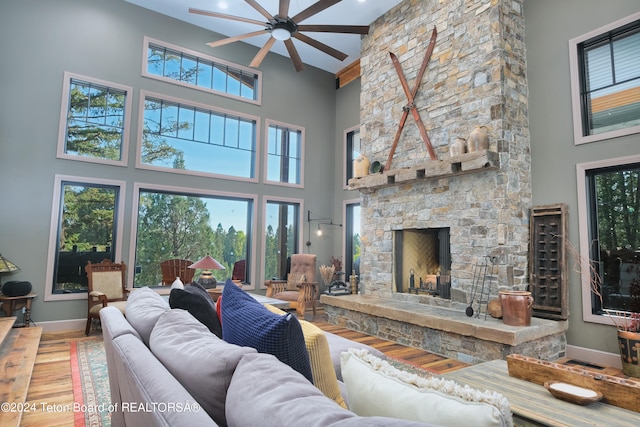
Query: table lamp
[(12, 289), (207, 264)]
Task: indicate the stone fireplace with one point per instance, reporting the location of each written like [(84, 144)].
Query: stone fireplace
[(476, 77)]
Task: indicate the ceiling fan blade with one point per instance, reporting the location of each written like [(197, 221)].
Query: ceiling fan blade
[(235, 38), (260, 9), (224, 16), (313, 9), (349, 29), (341, 56), (293, 54), (257, 60), (283, 10)]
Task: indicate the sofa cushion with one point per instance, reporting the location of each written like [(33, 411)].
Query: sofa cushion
[(197, 301), (324, 376), (339, 345), (279, 396), (375, 388), (144, 307), (200, 361), (246, 322), (143, 381)]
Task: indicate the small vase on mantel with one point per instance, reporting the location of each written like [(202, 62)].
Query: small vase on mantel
[(458, 147), (478, 139), (361, 166)]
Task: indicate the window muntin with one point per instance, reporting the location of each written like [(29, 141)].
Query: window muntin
[(284, 154), (609, 216), (352, 152), (180, 223), (94, 120), (86, 225), (185, 67), (282, 236), (605, 81), (189, 138)]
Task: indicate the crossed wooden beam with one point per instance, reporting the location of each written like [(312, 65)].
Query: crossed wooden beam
[(411, 106)]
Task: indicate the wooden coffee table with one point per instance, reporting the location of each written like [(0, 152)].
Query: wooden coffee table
[(533, 405)]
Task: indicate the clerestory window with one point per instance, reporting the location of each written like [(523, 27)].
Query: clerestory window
[(184, 67), (605, 80), (182, 137)]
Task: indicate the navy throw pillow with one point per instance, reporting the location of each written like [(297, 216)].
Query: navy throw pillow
[(197, 301), (246, 322)]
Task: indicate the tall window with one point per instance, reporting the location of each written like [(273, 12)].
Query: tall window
[(181, 66), (612, 237), (86, 226), (352, 239), (174, 223), (606, 81), (94, 120), (182, 137), (284, 154), (282, 235), (352, 151)]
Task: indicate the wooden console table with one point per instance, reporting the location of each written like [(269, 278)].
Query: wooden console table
[(533, 405), (11, 304)]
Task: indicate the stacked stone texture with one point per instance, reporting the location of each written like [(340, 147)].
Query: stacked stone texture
[(476, 76)]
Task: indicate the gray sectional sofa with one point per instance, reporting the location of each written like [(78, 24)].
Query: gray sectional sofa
[(170, 367), (170, 370)]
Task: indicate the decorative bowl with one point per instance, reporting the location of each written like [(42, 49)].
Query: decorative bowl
[(572, 393)]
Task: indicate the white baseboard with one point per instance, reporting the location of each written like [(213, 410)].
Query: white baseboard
[(63, 325), (597, 357)]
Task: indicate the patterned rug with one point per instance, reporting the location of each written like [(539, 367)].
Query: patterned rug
[(90, 379)]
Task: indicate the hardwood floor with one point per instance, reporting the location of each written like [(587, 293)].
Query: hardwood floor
[(51, 389)]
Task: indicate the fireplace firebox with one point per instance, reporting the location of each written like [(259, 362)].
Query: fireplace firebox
[(422, 261)]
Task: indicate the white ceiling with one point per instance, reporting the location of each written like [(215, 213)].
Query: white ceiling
[(346, 12)]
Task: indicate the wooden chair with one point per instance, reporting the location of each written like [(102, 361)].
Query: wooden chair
[(300, 289), (172, 268), (106, 287), (239, 268)]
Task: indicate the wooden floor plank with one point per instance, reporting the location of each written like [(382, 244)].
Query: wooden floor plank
[(17, 358)]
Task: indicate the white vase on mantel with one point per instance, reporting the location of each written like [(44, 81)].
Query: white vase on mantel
[(177, 284)]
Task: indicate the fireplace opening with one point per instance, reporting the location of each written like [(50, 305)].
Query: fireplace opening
[(422, 261)]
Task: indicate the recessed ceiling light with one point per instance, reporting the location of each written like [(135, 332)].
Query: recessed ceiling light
[(223, 5)]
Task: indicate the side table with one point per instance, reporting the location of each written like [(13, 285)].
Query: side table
[(11, 304)]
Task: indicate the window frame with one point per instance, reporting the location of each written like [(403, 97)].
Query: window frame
[(64, 110), (347, 241), (266, 200), (348, 160), (188, 52), (49, 295), (141, 109), (193, 192), (583, 225), (289, 127), (576, 80)]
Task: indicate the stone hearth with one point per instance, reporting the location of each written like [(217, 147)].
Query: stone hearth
[(445, 331)]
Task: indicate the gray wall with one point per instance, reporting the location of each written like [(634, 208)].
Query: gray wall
[(39, 40), (549, 26)]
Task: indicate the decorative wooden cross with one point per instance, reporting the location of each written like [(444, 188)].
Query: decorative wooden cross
[(411, 106)]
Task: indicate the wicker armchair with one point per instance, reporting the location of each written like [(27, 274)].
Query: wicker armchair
[(300, 289)]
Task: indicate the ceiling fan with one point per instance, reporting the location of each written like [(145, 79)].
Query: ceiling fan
[(282, 27)]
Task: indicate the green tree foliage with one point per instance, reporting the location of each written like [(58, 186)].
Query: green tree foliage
[(87, 219)]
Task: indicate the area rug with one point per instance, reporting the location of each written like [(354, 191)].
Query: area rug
[(90, 379)]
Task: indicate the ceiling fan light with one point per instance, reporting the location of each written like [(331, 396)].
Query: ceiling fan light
[(280, 34)]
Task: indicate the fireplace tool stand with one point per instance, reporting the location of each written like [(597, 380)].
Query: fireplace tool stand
[(483, 277)]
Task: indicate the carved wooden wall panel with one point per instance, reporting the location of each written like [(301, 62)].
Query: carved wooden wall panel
[(547, 261)]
